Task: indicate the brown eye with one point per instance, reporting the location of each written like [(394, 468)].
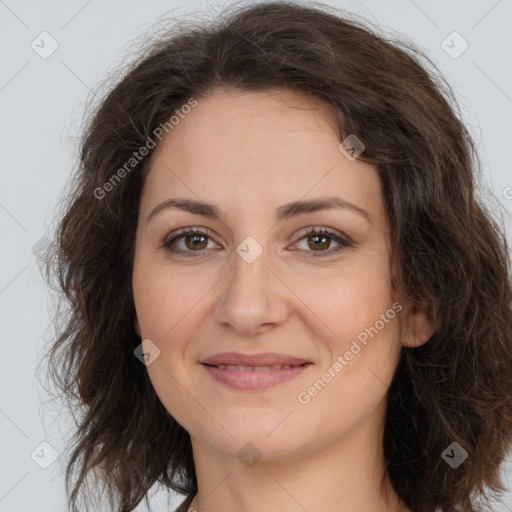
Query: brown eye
[(187, 242), (195, 241), (318, 242)]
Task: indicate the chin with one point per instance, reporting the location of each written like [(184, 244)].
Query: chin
[(278, 443)]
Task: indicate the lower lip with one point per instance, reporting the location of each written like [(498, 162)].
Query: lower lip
[(253, 380)]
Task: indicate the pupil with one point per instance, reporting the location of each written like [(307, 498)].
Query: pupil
[(323, 239), (197, 240)]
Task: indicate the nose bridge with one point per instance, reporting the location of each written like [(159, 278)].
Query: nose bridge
[(251, 294)]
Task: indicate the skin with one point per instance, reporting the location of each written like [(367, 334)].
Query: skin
[(249, 153)]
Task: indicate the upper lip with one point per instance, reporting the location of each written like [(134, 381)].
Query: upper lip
[(263, 359)]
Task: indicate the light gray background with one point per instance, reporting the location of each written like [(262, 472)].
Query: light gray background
[(42, 102)]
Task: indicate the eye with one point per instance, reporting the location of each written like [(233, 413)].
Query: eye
[(319, 239), (194, 241), (191, 242)]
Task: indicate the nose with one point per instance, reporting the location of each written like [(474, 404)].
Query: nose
[(253, 298)]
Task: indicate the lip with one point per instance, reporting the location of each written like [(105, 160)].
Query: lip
[(263, 359), (250, 379)]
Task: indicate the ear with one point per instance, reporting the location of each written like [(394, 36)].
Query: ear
[(418, 326), (136, 326)]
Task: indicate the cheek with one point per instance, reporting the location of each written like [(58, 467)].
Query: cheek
[(362, 353), (359, 324), (168, 304), (166, 299), (346, 300)]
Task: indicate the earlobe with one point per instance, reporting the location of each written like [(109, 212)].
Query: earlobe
[(419, 327)]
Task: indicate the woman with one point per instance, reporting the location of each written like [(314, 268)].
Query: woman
[(284, 294)]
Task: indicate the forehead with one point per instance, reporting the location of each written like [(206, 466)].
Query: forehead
[(237, 146), (251, 125)]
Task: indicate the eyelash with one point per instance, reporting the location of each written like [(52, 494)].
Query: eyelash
[(344, 242)]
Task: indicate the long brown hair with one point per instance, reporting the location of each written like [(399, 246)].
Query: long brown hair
[(448, 253)]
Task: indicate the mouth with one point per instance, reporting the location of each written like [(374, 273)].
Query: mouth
[(261, 360), (254, 372), (244, 368)]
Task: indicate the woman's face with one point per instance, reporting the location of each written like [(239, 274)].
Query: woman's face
[(256, 281)]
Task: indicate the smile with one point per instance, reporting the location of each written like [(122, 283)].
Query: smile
[(254, 378), (243, 368)]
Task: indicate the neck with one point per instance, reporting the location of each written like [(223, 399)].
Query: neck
[(348, 476)]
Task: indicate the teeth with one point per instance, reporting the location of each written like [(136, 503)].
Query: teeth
[(254, 368)]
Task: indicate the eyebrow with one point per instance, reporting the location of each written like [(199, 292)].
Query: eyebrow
[(285, 211)]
